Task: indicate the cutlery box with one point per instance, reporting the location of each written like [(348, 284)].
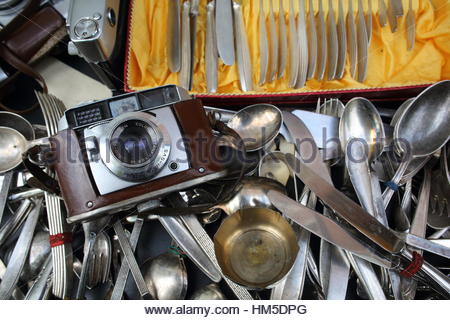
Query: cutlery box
[(394, 73)]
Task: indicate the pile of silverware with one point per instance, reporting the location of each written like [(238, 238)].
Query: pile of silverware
[(308, 218), (295, 42)]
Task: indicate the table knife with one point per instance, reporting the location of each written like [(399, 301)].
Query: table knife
[(224, 31)]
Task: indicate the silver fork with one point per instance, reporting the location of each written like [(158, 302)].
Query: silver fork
[(53, 109)]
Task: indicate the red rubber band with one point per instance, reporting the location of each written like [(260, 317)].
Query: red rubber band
[(60, 239), (414, 266)]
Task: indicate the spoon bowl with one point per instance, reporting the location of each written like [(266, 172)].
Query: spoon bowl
[(361, 120), (17, 122), (166, 277), (12, 145), (257, 125), (273, 166), (425, 123)]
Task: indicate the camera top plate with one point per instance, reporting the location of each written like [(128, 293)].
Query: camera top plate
[(91, 113)]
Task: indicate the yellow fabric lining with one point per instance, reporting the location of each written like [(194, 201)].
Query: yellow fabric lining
[(390, 64)]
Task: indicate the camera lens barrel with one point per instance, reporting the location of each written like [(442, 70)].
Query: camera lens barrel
[(135, 146)]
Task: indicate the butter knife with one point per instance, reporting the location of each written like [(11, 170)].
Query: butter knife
[(342, 41), (173, 35), (244, 63), (293, 46), (224, 31), (283, 46), (322, 44), (352, 40)]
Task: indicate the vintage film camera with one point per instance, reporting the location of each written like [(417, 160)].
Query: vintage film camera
[(97, 33), (113, 154)]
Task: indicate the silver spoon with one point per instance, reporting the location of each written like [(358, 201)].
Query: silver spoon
[(166, 276), (423, 131), (361, 123), (209, 292), (257, 125)]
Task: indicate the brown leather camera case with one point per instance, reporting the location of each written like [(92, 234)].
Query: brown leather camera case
[(83, 201)]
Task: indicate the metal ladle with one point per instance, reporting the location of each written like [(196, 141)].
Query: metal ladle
[(257, 125), (424, 126)]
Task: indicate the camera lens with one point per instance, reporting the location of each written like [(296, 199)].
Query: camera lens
[(134, 142)]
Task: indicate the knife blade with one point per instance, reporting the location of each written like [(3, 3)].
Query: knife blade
[(362, 267), (323, 128), (313, 168), (326, 228), (346, 208), (224, 31), (173, 35)]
